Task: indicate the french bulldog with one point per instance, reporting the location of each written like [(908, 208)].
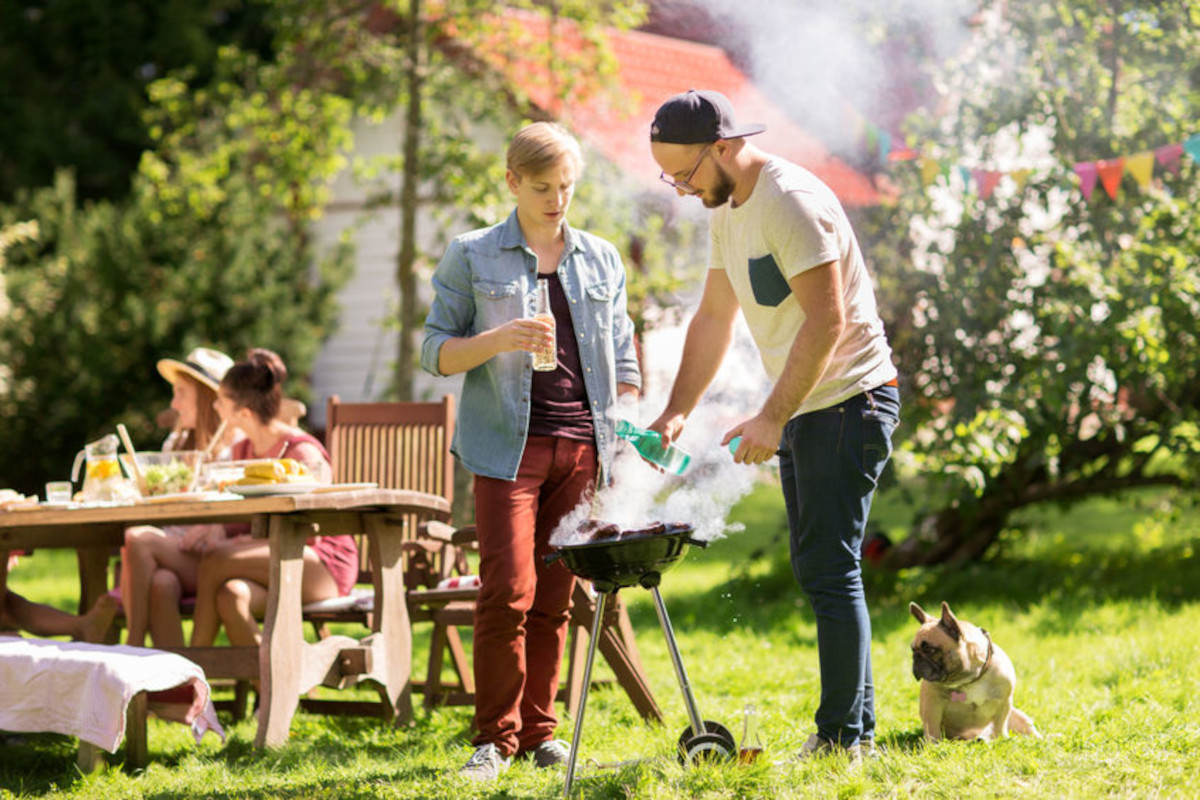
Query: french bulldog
[(967, 681)]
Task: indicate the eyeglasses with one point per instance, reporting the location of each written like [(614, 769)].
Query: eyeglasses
[(683, 185)]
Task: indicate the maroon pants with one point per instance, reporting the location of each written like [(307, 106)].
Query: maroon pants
[(523, 607)]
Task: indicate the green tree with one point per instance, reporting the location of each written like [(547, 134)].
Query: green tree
[(213, 244), (447, 66), (457, 78), (75, 78), (103, 291), (1050, 348)]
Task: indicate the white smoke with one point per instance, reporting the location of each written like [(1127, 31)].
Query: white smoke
[(712, 484), (814, 58)]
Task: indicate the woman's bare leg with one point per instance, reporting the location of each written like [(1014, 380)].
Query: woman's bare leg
[(146, 551), (249, 562), (166, 620), (17, 613), (240, 603), (43, 620)]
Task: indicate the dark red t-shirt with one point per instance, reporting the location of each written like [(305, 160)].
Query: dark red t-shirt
[(559, 401)]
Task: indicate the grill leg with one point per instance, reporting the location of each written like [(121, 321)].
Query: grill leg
[(688, 699), (597, 621)]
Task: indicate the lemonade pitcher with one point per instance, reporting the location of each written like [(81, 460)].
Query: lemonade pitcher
[(102, 481)]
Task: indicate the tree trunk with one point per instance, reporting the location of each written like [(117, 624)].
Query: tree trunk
[(958, 533), (406, 263)]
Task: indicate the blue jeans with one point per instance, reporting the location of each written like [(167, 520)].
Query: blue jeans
[(830, 461)]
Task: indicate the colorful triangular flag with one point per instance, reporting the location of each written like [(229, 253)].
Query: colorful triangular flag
[(885, 145), (1021, 176), (987, 180), (1086, 170), (1167, 157), (1192, 146), (930, 167), (1111, 170), (1141, 167)]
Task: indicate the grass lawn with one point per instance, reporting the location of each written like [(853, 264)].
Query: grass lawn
[(1094, 605)]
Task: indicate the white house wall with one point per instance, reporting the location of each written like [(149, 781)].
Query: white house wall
[(358, 361)]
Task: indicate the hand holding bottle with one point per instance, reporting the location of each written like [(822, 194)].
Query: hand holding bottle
[(757, 438), (545, 356), (649, 445)]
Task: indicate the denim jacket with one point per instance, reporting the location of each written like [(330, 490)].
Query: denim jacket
[(488, 277)]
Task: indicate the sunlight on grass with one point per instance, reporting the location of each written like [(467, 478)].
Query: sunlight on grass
[(1095, 605)]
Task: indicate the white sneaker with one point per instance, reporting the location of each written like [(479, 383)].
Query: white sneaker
[(551, 753), (485, 764)]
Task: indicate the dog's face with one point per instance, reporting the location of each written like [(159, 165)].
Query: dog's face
[(943, 648)]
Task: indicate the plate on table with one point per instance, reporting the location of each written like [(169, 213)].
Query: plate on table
[(186, 497), (268, 489), (343, 487), (34, 505)]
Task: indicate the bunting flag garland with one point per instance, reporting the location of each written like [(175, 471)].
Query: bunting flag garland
[(986, 180), (1107, 172), (1110, 175), (1192, 146), (1086, 170), (930, 169), (1168, 157), (1141, 167)]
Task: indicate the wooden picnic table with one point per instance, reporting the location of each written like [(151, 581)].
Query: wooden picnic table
[(287, 666)]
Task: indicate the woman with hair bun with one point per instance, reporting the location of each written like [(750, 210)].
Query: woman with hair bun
[(232, 584)]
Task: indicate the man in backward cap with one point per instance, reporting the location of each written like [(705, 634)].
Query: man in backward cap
[(782, 250)]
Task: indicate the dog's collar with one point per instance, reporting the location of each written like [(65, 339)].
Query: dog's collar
[(987, 662)]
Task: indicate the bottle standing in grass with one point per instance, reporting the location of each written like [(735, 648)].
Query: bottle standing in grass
[(751, 745)]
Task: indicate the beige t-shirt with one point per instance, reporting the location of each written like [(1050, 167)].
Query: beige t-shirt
[(791, 223)]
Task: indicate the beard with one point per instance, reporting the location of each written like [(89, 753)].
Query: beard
[(721, 192)]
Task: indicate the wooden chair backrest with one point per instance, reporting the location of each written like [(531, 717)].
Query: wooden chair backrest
[(397, 445)]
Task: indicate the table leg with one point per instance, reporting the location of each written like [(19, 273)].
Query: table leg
[(391, 615), (282, 650), (93, 575)]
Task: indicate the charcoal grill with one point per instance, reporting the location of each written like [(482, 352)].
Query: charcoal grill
[(639, 558)]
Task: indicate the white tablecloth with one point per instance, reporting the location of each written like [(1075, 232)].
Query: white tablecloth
[(83, 690)]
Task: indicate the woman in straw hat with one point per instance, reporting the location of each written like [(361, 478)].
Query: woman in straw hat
[(159, 566)]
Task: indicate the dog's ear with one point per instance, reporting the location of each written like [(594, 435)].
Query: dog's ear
[(950, 622), (919, 613)]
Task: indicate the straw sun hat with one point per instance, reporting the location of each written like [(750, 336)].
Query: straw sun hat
[(204, 364)]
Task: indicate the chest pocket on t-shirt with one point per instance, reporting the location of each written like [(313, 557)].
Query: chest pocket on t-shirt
[(767, 282)]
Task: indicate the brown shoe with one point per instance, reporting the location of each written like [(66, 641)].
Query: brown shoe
[(816, 746)]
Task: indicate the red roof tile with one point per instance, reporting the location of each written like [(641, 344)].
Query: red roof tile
[(650, 69)]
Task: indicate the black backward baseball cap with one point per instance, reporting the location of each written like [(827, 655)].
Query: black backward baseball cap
[(698, 116)]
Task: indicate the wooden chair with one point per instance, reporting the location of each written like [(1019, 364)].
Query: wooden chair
[(407, 446)]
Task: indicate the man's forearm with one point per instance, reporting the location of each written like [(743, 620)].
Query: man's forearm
[(703, 350), (807, 362)]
